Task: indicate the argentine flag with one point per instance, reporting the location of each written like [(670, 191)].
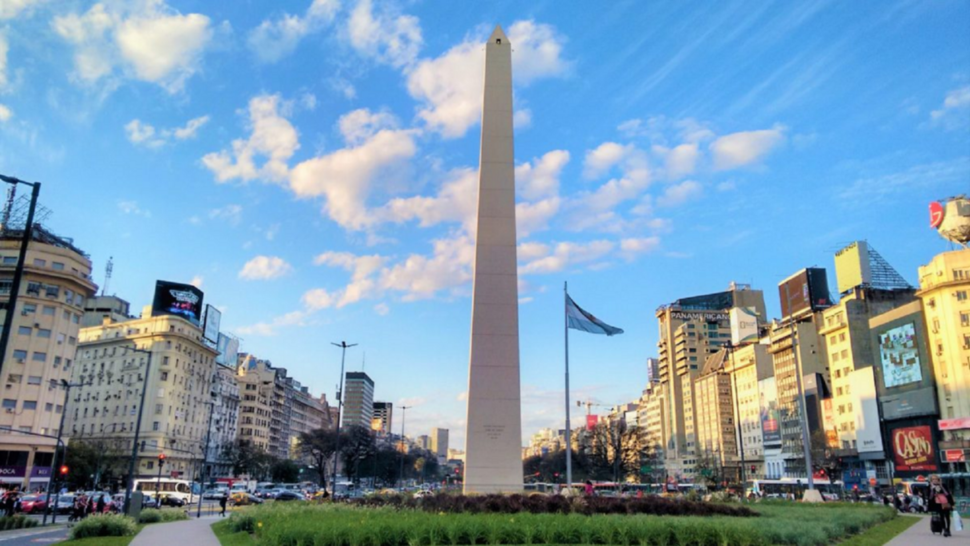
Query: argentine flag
[(577, 319)]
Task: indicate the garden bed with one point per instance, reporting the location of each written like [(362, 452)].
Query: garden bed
[(341, 525)]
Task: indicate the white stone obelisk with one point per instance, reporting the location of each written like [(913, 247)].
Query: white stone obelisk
[(493, 441)]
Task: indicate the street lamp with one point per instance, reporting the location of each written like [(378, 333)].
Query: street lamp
[(21, 259), (60, 431), (404, 413), (134, 444), (205, 453), (340, 405)]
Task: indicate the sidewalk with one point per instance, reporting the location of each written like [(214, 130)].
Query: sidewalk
[(920, 535), (197, 532)]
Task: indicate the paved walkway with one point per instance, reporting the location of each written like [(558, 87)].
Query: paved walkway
[(920, 535), (194, 532)]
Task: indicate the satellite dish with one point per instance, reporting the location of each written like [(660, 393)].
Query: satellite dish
[(951, 219)]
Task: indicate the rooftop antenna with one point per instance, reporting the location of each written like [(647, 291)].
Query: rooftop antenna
[(107, 275), (363, 363), (8, 206)]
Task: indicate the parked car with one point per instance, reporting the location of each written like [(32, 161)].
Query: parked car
[(176, 502), (265, 492), (215, 493), (32, 504), (286, 495), (62, 503), (242, 498)]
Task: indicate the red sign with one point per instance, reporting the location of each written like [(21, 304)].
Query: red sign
[(591, 421), (955, 424), (936, 214), (954, 456), (913, 448)]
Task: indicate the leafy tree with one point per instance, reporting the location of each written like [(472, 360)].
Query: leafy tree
[(614, 451), (708, 469), (285, 470), (95, 462), (356, 446), (248, 459), (319, 447)]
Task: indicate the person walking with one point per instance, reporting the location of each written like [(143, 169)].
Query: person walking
[(222, 504), (589, 488), (941, 503), (101, 504)]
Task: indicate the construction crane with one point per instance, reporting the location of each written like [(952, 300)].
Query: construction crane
[(590, 404), (107, 275)]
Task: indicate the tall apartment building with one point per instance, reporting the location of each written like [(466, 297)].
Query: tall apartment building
[(439, 442), (358, 400), (424, 442), (178, 386), (749, 365), (691, 329), (383, 417), (41, 349), (715, 428), (225, 421), (98, 308), (944, 288), (306, 413), (256, 379), (652, 419)]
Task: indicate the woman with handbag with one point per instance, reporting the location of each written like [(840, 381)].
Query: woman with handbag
[(941, 503)]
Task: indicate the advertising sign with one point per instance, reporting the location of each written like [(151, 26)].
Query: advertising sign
[(899, 356), (955, 424), (228, 348), (807, 289), (954, 456), (909, 404), (852, 266), (936, 214), (591, 421), (770, 416), (183, 300), (213, 318), (868, 434), (744, 325), (913, 448), (828, 424)]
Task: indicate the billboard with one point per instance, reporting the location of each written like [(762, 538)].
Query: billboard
[(183, 300), (591, 421), (770, 416), (228, 348), (806, 290), (828, 420), (868, 434), (213, 317), (900, 356), (960, 423), (744, 325), (910, 403), (852, 267), (913, 448)]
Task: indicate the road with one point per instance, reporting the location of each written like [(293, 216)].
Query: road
[(28, 537)]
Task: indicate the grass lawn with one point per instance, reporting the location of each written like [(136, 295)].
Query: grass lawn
[(882, 533), (104, 541), (229, 538)]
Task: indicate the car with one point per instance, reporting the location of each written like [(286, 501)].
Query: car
[(286, 495), (242, 498), (176, 502), (215, 493), (265, 493), (32, 504), (63, 504), (422, 494)]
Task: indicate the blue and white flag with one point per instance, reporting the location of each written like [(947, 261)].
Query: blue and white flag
[(577, 319)]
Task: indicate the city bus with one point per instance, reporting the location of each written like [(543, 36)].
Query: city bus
[(167, 487), (781, 488)]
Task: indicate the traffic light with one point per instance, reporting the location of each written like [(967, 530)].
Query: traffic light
[(753, 467), (161, 460), (64, 470), (457, 470)]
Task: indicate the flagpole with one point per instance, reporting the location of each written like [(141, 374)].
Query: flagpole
[(569, 444)]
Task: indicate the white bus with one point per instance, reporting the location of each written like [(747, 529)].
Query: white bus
[(167, 488), (781, 488)]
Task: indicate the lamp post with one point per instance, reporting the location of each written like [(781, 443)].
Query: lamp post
[(21, 259), (134, 444), (60, 431), (404, 413), (205, 453), (158, 483), (340, 405)]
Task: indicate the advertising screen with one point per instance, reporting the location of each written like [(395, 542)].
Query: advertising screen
[(228, 348), (807, 289), (178, 299), (770, 416), (591, 421), (213, 317), (900, 356), (913, 448)]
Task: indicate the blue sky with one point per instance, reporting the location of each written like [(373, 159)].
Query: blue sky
[(312, 164)]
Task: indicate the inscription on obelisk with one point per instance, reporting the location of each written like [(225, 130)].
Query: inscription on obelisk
[(493, 444)]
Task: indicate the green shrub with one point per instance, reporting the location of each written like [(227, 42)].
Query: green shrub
[(149, 516), (17, 522), (105, 525)]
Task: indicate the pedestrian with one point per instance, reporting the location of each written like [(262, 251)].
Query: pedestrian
[(222, 504), (941, 503), (75, 509), (101, 504), (589, 488)]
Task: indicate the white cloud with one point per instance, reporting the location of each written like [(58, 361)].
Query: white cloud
[(131, 207), (274, 39), (522, 118), (362, 124), (229, 213), (294, 318), (148, 41), (395, 40), (197, 281), (682, 160), (635, 176), (603, 158), (631, 128), (953, 112), (746, 147), (566, 254), (462, 396), (727, 185), (12, 8), (450, 86), (308, 101), (343, 87), (264, 268), (4, 48), (678, 194), (540, 178), (272, 137), (634, 246), (382, 309), (456, 201), (5, 113), (533, 217), (191, 128)]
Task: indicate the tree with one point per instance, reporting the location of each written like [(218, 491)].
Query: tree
[(94, 462), (319, 446), (285, 470), (707, 469), (613, 452), (357, 445), (248, 459), (825, 455)]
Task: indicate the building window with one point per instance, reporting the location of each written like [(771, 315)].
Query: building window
[(40, 263), (33, 289), (155, 426), (29, 308), (30, 404), (34, 379), (966, 341), (44, 333), (14, 378), (48, 407), (39, 357), (25, 330), (48, 310), (57, 266), (9, 404), (52, 291), (961, 295), (20, 355), (10, 260), (964, 319)]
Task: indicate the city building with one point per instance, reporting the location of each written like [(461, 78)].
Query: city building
[(383, 417), (424, 442), (225, 421), (98, 308), (714, 422), (358, 400), (439, 442), (179, 384), (306, 413), (944, 288), (41, 349), (255, 378), (748, 366)]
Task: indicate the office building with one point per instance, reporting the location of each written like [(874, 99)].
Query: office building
[(225, 421), (383, 417), (41, 348), (358, 400), (439, 442), (256, 380), (99, 308)]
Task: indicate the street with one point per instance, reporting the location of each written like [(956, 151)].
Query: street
[(34, 536)]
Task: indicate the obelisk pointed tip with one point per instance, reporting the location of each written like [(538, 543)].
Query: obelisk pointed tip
[(498, 36)]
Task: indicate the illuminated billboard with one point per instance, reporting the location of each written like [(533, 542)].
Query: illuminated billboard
[(744, 325), (913, 448), (770, 416), (183, 300), (900, 356), (228, 348), (213, 317), (806, 290)]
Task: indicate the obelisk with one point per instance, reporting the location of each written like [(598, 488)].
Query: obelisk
[(493, 441)]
